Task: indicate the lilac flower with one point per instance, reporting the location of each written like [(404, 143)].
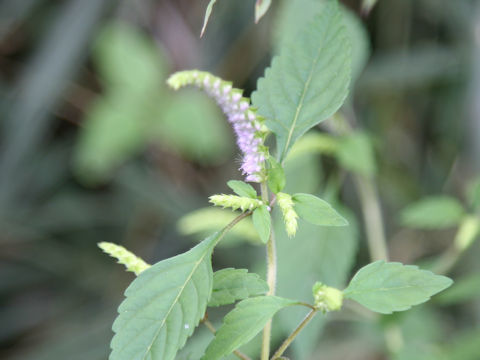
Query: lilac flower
[(245, 122)]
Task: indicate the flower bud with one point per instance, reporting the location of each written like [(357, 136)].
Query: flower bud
[(327, 298), (132, 262)]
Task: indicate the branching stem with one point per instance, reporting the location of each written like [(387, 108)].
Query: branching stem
[(294, 334)]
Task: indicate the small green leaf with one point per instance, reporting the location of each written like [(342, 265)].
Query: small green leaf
[(159, 306), (261, 8), (386, 287), (230, 285), (317, 211), (308, 82), (276, 176), (355, 153), (314, 143), (208, 12), (242, 188), (467, 232), (204, 221), (262, 222), (436, 212), (242, 324)]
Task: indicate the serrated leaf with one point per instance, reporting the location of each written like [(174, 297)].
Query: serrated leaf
[(163, 306), (230, 285), (242, 188), (308, 81), (244, 322), (261, 8), (276, 176), (317, 211), (208, 12), (262, 221), (435, 212), (355, 153), (386, 287)]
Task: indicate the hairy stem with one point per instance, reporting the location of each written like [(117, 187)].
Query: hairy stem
[(294, 334), (372, 214), (212, 329), (271, 279)]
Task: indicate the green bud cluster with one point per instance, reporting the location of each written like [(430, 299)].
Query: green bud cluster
[(285, 203), (235, 202), (327, 298), (132, 262)]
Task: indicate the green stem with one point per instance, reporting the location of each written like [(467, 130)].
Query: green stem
[(294, 334), (271, 278), (372, 214)]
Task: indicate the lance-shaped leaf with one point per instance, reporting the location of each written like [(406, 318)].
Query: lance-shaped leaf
[(208, 12), (163, 305), (317, 211), (262, 222), (242, 188), (434, 212), (386, 287), (261, 8), (242, 324), (308, 81), (230, 285)]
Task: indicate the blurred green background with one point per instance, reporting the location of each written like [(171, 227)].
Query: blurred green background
[(94, 147)]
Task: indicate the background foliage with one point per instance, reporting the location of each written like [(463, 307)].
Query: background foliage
[(94, 147)]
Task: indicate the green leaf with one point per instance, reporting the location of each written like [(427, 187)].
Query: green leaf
[(204, 221), (313, 143), (208, 12), (262, 221), (128, 60), (244, 322), (386, 287), (163, 305), (276, 176), (308, 82), (261, 8), (317, 211), (436, 212), (355, 153), (242, 188), (230, 285), (114, 129)]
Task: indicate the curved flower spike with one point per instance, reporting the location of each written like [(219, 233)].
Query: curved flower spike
[(248, 126)]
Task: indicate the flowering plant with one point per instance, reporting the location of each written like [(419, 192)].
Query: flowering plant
[(305, 85)]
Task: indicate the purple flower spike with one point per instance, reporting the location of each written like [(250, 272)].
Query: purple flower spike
[(245, 122)]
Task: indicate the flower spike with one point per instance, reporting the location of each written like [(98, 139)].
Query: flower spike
[(248, 126)]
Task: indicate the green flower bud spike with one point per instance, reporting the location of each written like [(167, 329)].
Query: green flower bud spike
[(132, 262), (285, 203), (235, 202), (327, 298)]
